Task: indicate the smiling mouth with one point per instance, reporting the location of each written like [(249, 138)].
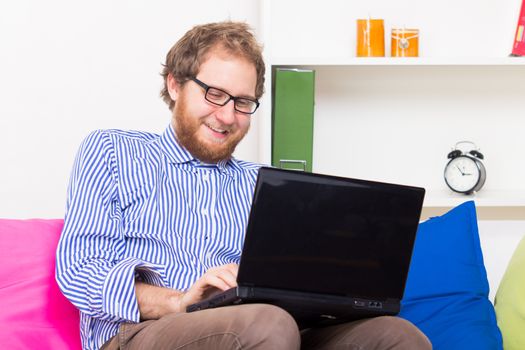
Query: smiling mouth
[(217, 130)]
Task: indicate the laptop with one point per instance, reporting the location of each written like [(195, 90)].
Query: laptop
[(327, 249)]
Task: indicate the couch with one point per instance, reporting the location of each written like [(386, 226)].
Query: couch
[(446, 293), (34, 314)]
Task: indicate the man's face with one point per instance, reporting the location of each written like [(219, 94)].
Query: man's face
[(210, 132)]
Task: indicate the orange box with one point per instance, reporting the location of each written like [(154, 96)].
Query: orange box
[(405, 42), (370, 38)]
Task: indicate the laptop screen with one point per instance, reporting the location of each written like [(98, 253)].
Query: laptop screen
[(326, 234)]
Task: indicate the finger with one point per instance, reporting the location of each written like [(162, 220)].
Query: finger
[(227, 273), (229, 277), (233, 268), (221, 281), (230, 268), (220, 278)]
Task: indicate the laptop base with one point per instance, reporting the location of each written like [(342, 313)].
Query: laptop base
[(308, 309)]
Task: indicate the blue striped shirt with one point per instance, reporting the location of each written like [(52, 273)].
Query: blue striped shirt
[(139, 206)]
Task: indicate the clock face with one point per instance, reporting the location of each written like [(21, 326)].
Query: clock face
[(462, 174)]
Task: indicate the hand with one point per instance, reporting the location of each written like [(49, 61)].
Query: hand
[(461, 171), (218, 278), (155, 302)]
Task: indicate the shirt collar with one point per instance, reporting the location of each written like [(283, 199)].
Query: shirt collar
[(177, 154), (172, 149)]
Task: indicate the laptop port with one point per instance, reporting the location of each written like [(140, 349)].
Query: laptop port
[(375, 305)]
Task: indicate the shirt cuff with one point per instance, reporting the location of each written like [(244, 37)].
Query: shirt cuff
[(118, 293)]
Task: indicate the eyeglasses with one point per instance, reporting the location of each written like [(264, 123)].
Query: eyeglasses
[(220, 98)]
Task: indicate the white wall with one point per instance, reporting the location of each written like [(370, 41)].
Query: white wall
[(448, 28), (498, 242), (69, 67)]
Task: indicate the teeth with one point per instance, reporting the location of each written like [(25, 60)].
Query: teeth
[(217, 130)]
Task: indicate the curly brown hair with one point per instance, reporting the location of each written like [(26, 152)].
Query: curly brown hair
[(184, 59)]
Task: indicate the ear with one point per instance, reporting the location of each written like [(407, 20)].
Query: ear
[(173, 87)]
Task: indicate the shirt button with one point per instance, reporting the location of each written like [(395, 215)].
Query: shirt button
[(208, 255), (204, 211), (205, 177)]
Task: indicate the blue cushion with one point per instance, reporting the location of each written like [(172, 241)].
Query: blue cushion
[(446, 294)]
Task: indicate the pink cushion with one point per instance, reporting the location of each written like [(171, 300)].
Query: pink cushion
[(33, 312)]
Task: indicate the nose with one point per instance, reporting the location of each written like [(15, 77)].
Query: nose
[(226, 113)]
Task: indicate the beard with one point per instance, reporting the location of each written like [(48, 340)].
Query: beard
[(186, 132)]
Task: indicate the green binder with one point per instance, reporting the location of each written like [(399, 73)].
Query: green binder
[(293, 119)]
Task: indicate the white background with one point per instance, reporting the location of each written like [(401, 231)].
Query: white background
[(69, 67)]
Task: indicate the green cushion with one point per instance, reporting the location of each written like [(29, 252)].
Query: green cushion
[(510, 301)]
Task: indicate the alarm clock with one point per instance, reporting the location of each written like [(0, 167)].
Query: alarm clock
[(465, 172)]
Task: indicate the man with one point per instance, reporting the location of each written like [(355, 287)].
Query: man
[(154, 223)]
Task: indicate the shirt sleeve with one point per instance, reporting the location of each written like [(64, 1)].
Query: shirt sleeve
[(91, 270)]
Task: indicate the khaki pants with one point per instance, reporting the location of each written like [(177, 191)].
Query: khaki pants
[(261, 326)]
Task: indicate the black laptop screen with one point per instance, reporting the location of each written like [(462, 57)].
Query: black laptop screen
[(325, 234)]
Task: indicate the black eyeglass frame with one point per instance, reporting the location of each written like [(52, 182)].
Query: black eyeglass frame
[(206, 87)]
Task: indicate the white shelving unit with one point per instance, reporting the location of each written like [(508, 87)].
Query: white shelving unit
[(396, 119), (398, 61), (485, 198)]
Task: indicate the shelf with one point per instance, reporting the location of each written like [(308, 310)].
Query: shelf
[(482, 103), (491, 205), (375, 117), (397, 61), (485, 198)]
